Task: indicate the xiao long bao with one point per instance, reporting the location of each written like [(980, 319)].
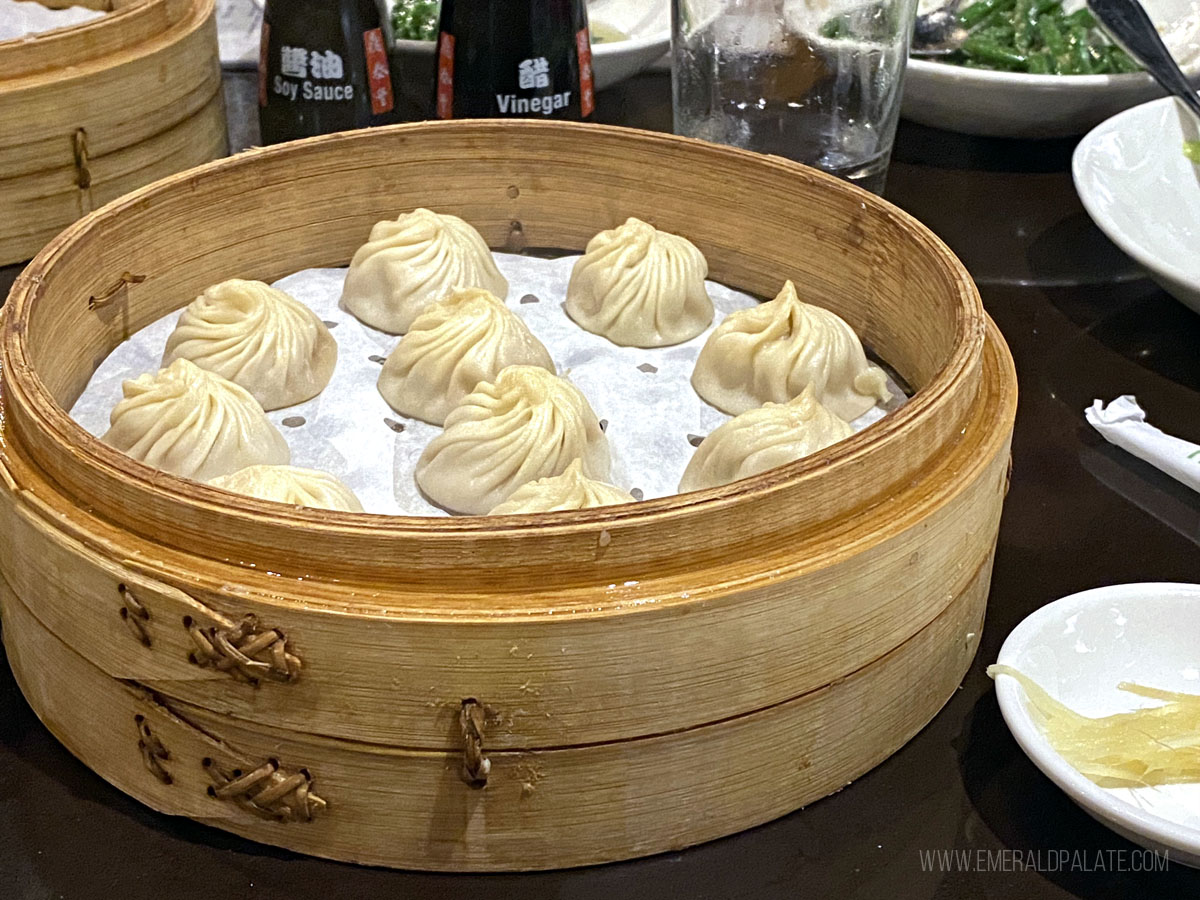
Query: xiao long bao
[(774, 434), (640, 287), (257, 337), (558, 493), (290, 484), (193, 423), (412, 262), (771, 352), (456, 343), (526, 425)]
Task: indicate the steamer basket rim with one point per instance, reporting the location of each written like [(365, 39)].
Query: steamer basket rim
[(23, 385)]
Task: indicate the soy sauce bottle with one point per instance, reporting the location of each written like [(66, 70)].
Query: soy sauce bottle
[(514, 58), (323, 67)]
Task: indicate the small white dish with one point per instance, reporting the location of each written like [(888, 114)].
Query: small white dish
[(1013, 104), (1143, 193), (647, 22), (1079, 648)]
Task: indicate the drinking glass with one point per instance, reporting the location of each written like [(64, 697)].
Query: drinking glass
[(816, 81)]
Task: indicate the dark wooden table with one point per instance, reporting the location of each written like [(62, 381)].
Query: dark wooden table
[(1082, 323)]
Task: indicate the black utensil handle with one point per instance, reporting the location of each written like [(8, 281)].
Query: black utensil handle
[(1127, 22)]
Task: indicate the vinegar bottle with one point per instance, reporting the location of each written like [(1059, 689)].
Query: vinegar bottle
[(518, 58), (323, 67)]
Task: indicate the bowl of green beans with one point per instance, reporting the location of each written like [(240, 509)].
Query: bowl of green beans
[(1040, 69)]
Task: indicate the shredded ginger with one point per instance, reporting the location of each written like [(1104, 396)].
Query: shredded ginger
[(1159, 745)]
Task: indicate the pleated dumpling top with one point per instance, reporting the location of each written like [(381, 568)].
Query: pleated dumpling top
[(640, 287), (527, 424), (257, 337), (194, 423), (414, 261), (773, 351)]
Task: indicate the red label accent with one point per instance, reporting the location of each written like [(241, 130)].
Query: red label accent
[(583, 46), (379, 74), (445, 76), (263, 51)]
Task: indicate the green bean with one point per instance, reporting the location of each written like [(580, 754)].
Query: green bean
[(1122, 62), (1066, 64), (1041, 64), (995, 34), (1082, 16), (1022, 37), (977, 12), (1037, 36), (994, 53), (837, 27), (1050, 31), (1080, 51)]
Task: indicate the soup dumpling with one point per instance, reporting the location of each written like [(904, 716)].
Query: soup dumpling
[(414, 261), (759, 439), (773, 351), (258, 337), (570, 490), (525, 425), (191, 422), (456, 343), (290, 484), (640, 287)]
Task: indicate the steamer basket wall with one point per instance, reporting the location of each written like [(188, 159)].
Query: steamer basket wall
[(781, 635), (92, 111)]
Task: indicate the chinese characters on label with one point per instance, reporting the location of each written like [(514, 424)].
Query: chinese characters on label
[(325, 65), (299, 62), (533, 73), (445, 78), (314, 65), (293, 61), (379, 75)]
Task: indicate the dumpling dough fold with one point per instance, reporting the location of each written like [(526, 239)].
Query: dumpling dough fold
[(527, 424), (570, 490), (258, 337), (760, 439), (412, 262), (194, 423), (773, 351), (290, 484)]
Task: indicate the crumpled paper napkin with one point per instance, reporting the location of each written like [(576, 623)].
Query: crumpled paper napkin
[(1123, 422)]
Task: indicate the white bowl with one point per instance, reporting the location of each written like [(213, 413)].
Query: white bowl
[(1143, 193), (1079, 648), (1011, 104), (647, 22)]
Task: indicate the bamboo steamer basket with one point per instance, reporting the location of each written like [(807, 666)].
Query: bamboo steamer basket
[(499, 693), (92, 111)]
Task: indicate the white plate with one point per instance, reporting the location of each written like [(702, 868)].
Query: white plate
[(648, 25), (1079, 648), (1143, 193), (1011, 104)]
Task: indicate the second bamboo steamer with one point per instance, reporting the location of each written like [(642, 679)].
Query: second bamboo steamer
[(92, 111)]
